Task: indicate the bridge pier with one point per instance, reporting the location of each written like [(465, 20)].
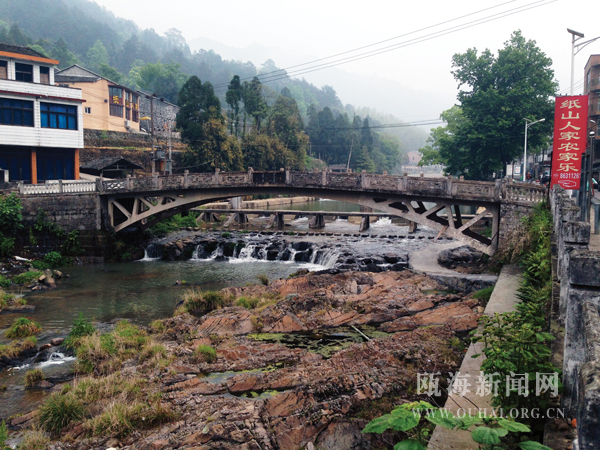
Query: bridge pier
[(318, 221), (364, 224), (412, 226), (209, 217), (236, 217)]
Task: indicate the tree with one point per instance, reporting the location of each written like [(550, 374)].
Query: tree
[(254, 103), (61, 52), (442, 137), (233, 98), (164, 80), (97, 55), (503, 90), (111, 73), (203, 128)]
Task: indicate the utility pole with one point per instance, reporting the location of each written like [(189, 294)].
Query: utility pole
[(151, 97)]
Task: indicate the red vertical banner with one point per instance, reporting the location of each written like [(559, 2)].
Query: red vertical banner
[(570, 139)]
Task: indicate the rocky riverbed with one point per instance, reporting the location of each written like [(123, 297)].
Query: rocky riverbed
[(306, 363)]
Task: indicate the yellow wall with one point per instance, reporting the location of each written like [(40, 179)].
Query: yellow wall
[(95, 95)]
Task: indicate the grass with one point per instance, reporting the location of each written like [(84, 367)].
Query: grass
[(23, 327), (121, 418), (90, 389), (157, 326), (483, 294), (34, 440), (248, 302), (8, 300), (205, 353), (59, 411), (105, 353), (33, 377), (27, 277), (4, 282), (198, 302), (263, 279), (81, 327)]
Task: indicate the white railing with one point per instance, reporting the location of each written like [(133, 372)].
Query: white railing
[(60, 187)]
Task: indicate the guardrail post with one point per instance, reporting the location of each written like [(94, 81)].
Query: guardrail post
[(324, 177), (186, 179), (288, 176), (217, 176), (503, 192), (364, 182), (449, 185), (155, 181), (99, 185), (60, 186), (21, 187), (498, 189), (128, 183)]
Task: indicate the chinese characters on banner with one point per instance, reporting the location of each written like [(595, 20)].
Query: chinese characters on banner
[(570, 139)]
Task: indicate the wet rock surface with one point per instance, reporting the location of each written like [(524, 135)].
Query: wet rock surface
[(268, 389), (463, 259)]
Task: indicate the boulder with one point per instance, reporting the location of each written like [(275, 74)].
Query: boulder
[(57, 341)]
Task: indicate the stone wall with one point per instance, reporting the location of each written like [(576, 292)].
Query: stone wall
[(511, 215), (71, 211), (576, 291), (115, 139)]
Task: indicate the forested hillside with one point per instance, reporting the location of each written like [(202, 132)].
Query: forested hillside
[(82, 32)]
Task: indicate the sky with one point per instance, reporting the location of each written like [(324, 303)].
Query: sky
[(297, 32)]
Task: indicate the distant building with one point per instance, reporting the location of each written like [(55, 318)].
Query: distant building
[(592, 89), (41, 124), (338, 168), (115, 167), (109, 106), (413, 158)]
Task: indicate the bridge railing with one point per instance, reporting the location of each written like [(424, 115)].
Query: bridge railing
[(443, 187), (59, 187)]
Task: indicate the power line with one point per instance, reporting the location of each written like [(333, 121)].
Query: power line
[(404, 44), (376, 43)]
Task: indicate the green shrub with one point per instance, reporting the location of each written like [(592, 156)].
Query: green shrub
[(205, 353), (71, 246), (157, 326), (43, 226), (226, 235), (27, 277), (11, 217), (59, 411), (23, 327), (54, 259), (3, 435), (248, 302), (4, 282), (81, 327), (484, 294), (7, 245), (33, 377), (40, 265)]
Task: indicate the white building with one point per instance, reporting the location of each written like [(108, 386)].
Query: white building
[(41, 125)]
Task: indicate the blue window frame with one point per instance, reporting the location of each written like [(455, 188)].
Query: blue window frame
[(63, 117), (16, 112)]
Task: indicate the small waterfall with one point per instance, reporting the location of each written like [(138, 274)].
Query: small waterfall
[(217, 252), (56, 358), (152, 253), (245, 255), (195, 253)]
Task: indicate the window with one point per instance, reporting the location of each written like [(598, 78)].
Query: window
[(128, 114), (3, 70), (24, 72), (88, 110), (115, 93), (116, 110), (16, 112), (58, 116), (44, 75), (136, 116)]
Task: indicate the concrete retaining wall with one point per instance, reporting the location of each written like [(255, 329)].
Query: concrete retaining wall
[(576, 272)]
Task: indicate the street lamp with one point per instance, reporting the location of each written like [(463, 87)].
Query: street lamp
[(576, 49), (527, 125)]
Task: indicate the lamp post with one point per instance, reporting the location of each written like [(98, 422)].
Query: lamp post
[(527, 125), (576, 48)]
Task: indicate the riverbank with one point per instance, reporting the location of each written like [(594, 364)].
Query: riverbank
[(308, 359)]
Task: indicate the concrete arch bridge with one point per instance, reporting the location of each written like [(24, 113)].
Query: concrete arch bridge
[(145, 201)]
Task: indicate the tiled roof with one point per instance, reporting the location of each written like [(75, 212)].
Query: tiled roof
[(20, 49)]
